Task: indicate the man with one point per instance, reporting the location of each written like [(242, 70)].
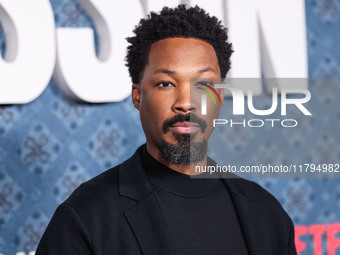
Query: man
[(149, 204)]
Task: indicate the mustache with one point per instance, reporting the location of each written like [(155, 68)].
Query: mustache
[(190, 117)]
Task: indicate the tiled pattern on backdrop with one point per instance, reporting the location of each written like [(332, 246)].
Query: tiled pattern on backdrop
[(51, 145)]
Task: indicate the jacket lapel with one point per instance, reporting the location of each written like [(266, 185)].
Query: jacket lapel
[(147, 223), (144, 216)]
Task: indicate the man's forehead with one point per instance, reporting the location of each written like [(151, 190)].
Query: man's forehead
[(170, 46)]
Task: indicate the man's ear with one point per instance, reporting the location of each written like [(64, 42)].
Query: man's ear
[(136, 95)]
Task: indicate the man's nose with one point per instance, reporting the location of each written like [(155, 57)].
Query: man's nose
[(183, 103)]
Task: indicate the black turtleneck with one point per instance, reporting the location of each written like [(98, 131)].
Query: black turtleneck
[(198, 212)]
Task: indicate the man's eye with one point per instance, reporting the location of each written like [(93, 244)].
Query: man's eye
[(204, 83), (164, 84)]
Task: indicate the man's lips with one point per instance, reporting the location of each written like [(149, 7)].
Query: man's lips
[(185, 127)]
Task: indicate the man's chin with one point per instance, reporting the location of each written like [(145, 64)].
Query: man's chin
[(183, 152)]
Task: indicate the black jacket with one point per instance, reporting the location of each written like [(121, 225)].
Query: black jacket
[(117, 213)]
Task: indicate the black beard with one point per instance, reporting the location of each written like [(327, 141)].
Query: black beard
[(183, 153)]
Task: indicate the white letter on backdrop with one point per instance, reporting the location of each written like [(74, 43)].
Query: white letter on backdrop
[(273, 32), (30, 55), (79, 73)]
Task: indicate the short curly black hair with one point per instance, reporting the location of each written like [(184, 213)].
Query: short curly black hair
[(183, 22)]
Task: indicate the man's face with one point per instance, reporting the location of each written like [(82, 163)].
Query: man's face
[(166, 95)]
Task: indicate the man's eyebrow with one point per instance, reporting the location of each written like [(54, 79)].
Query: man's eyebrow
[(206, 69), (166, 71)]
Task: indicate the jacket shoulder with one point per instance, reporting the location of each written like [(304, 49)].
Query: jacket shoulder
[(106, 191), (99, 192)]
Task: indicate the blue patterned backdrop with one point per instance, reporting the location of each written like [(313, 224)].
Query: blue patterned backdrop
[(51, 145)]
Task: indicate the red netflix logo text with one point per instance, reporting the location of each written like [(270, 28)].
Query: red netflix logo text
[(323, 235)]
